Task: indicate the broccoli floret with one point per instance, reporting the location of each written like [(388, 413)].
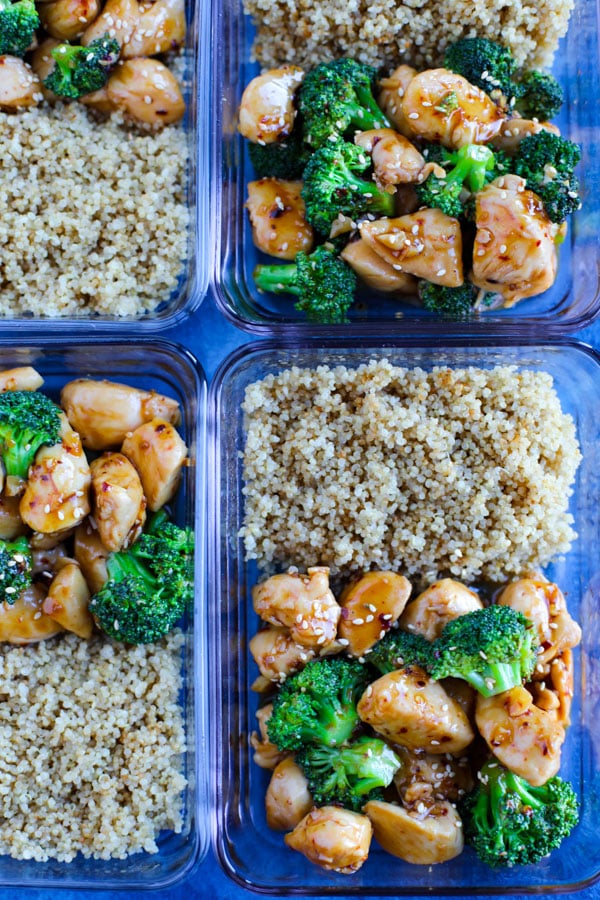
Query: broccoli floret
[(282, 159), (16, 563), (453, 302), (318, 704), (511, 823), (493, 649), (28, 421), (324, 284), (539, 96), (546, 161), (336, 98), (350, 775), (472, 167), (18, 24), (484, 63), (332, 188), (81, 70), (398, 649), (149, 585)]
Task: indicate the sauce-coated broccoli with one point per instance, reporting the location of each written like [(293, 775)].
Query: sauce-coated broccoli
[(18, 24), (324, 284), (452, 302), (484, 63), (332, 186), (318, 704), (349, 775), (539, 96), (336, 98), (282, 159), (493, 649), (81, 70), (28, 421), (15, 569), (472, 167), (149, 585), (398, 649), (511, 823), (546, 161)]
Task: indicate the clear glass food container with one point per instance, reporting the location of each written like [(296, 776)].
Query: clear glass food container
[(249, 852), (192, 284), (572, 302), (169, 369)]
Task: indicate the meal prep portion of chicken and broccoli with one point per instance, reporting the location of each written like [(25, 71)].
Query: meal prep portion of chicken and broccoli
[(95, 577), (449, 185)]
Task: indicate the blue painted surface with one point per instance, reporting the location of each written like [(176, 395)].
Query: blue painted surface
[(211, 339)]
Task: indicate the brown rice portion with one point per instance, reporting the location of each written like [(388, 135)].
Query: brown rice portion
[(385, 32), (466, 472), (91, 738)]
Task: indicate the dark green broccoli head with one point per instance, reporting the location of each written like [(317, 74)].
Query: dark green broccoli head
[(324, 284), (511, 823), (28, 421), (539, 96), (149, 586), (82, 70), (16, 563), (399, 649), (494, 649), (18, 24), (484, 63), (283, 159), (336, 98), (332, 186), (471, 168), (546, 161), (453, 302), (318, 704), (349, 776)]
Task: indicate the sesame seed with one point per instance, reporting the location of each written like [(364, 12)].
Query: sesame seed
[(413, 115)]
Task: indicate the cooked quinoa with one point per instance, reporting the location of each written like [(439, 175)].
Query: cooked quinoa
[(465, 472), (91, 742), (386, 32), (93, 215)]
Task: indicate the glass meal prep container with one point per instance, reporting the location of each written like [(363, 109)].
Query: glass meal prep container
[(171, 370), (571, 303), (193, 279), (249, 852)]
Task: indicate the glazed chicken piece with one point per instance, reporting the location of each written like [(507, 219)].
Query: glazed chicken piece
[(302, 603), (23, 378), (266, 754), (543, 603), (19, 85), (267, 110), (426, 243), (158, 453), (423, 779), (277, 216), (515, 129), (11, 523), (439, 604), (145, 90), (408, 708), (442, 106), (118, 19), (277, 654), (425, 838), (370, 607), (66, 19), (374, 271), (91, 554), (335, 839), (104, 412), (56, 495), (159, 29), (118, 501), (392, 90), (68, 599), (525, 738), (25, 621), (514, 252), (288, 798), (395, 159)]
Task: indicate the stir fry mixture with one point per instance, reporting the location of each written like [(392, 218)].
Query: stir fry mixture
[(448, 184), (428, 723), (102, 54)]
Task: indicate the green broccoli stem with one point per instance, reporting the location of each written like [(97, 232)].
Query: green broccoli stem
[(495, 678), (122, 565), (368, 115), (19, 456), (531, 796), (472, 162), (66, 57), (279, 279)]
